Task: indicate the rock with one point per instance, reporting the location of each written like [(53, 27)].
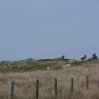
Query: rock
[(71, 61), (67, 65)]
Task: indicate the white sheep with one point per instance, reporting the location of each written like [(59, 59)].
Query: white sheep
[(48, 68)]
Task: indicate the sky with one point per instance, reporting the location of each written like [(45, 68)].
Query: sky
[(41, 29)]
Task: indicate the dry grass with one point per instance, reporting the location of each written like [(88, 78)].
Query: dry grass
[(25, 83)]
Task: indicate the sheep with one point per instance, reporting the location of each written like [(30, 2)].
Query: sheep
[(83, 57), (48, 68)]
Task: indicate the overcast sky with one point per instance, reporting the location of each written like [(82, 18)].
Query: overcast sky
[(48, 29)]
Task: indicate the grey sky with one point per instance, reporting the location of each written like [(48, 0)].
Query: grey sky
[(48, 29)]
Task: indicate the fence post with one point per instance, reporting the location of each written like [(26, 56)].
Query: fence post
[(87, 82), (72, 84), (55, 82), (37, 88), (98, 82), (12, 90)]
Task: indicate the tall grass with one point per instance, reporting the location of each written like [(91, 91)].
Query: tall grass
[(25, 83)]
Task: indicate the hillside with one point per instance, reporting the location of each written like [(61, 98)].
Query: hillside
[(29, 65), (25, 83)]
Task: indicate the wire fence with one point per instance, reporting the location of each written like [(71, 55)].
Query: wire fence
[(40, 89)]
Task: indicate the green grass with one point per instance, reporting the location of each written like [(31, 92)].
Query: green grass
[(24, 66), (6, 67)]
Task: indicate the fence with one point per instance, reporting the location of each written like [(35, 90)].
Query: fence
[(37, 83)]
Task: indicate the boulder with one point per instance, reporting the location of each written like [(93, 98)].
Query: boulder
[(67, 65)]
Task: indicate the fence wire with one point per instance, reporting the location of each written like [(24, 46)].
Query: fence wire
[(27, 89)]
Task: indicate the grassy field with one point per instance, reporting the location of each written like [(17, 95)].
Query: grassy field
[(25, 80), (25, 66)]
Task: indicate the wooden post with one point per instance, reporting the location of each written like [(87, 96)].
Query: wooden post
[(12, 90), (98, 83), (55, 82), (37, 89), (72, 84), (87, 82)]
